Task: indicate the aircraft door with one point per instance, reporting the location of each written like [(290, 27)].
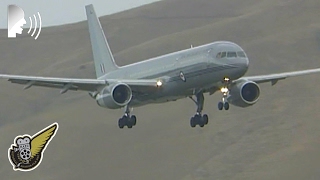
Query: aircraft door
[(177, 62), (210, 56)]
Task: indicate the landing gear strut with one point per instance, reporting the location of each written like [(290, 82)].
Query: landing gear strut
[(127, 120), (225, 92), (199, 119)]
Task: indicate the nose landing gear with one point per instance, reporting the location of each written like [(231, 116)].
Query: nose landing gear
[(225, 92)]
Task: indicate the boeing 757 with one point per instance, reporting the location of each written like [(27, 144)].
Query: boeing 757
[(218, 66)]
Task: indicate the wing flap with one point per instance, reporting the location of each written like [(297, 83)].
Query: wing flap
[(29, 84), (136, 82)]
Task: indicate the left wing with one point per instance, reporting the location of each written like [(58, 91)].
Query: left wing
[(66, 84), (274, 78)]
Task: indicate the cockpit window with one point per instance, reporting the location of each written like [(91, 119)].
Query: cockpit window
[(223, 54), (231, 54), (241, 54), (218, 55)]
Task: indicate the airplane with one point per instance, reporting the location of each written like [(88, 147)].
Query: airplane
[(218, 66)]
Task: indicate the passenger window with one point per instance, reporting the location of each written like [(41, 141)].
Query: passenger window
[(223, 54), (231, 54), (241, 54)]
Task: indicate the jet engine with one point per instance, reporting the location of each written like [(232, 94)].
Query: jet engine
[(244, 94), (114, 96)]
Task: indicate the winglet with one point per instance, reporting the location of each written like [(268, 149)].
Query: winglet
[(102, 55)]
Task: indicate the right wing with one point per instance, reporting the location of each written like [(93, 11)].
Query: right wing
[(66, 84), (274, 78)]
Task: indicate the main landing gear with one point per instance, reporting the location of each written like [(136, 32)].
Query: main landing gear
[(199, 119), (127, 120), (225, 92)]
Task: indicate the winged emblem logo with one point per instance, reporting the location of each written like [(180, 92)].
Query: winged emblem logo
[(27, 152)]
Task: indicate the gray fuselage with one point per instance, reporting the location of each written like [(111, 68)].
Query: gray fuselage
[(185, 72)]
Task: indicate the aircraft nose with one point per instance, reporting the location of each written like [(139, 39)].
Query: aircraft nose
[(247, 62), (244, 65)]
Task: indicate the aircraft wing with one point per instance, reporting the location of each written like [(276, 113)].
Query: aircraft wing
[(66, 84), (274, 78)]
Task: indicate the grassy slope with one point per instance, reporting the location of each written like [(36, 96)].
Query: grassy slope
[(275, 139)]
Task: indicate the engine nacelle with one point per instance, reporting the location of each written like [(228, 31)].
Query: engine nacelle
[(114, 96), (244, 94)]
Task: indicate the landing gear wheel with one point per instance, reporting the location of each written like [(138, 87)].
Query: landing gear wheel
[(121, 123), (198, 119), (201, 123), (220, 106), (225, 94), (133, 119), (226, 106), (129, 124), (126, 119), (192, 122), (205, 119)]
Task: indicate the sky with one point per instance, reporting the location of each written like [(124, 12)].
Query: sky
[(57, 12)]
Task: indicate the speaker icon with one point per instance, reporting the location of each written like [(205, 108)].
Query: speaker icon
[(35, 25), (16, 21)]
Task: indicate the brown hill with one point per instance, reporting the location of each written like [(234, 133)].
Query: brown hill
[(278, 138)]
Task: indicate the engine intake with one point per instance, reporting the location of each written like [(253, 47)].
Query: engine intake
[(114, 96), (244, 94)]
